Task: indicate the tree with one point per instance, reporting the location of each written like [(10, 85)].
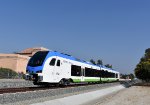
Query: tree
[(142, 70), (147, 54), (92, 61), (124, 76), (108, 65), (127, 76), (7, 73), (99, 62), (131, 76)]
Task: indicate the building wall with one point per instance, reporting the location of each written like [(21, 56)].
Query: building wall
[(18, 61), (22, 63), (15, 62)]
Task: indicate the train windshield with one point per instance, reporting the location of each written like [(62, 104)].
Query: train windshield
[(38, 58)]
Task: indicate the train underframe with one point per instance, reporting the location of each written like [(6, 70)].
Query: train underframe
[(38, 80)]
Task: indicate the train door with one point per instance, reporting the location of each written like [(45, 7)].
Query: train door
[(57, 71), (50, 70), (82, 74)]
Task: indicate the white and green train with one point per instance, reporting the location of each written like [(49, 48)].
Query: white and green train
[(58, 68)]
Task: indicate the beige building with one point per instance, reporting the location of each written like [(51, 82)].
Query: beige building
[(15, 62), (31, 51), (18, 61)]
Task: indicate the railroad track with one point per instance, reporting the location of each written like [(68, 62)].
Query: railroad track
[(25, 89), (22, 89)]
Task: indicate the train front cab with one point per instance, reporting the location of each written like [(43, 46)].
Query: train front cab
[(34, 70)]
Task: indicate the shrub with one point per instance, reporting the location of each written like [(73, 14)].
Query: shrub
[(7, 73)]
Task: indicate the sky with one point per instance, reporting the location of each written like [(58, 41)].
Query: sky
[(116, 31)]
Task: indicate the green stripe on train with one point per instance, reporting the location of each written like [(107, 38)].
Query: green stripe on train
[(91, 80), (96, 80), (108, 79), (76, 80)]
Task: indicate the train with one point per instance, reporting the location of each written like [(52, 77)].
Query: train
[(52, 67)]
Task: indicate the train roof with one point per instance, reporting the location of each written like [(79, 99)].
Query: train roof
[(67, 56)]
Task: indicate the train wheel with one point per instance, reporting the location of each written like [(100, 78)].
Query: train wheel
[(64, 82), (68, 82)]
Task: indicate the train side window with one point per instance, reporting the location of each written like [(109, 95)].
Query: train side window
[(116, 75), (92, 72), (52, 62), (58, 62), (75, 70)]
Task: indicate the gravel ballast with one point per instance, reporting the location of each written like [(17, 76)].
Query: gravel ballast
[(12, 83), (16, 97)]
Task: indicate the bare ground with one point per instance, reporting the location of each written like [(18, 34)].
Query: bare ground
[(135, 95)]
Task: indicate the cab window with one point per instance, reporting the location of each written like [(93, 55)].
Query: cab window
[(58, 62), (52, 62)]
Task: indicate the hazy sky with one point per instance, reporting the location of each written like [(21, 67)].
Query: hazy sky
[(116, 31)]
